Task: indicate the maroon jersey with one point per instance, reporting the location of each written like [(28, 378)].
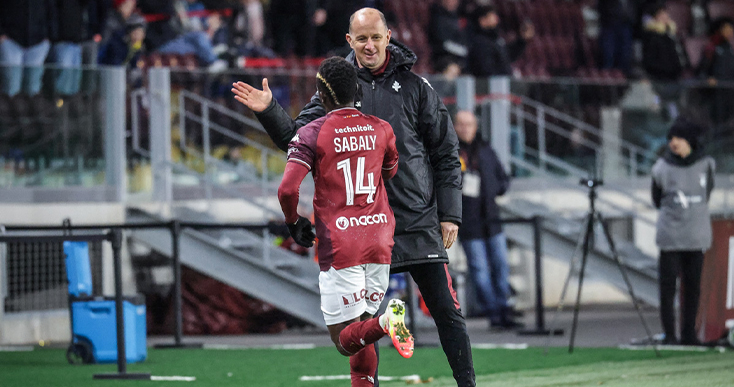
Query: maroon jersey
[(346, 151)]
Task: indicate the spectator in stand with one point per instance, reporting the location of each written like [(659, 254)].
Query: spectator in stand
[(165, 35), (717, 65), (26, 27), (662, 52), (484, 243), (489, 54), (77, 24), (663, 56), (125, 46), (247, 30), (331, 19), (218, 33), (717, 61), (447, 38), (616, 20), (292, 27), (117, 19), (192, 14)]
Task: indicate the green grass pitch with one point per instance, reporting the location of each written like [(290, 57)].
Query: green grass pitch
[(281, 367)]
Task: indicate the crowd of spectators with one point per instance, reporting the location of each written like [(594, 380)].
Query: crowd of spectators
[(462, 36)]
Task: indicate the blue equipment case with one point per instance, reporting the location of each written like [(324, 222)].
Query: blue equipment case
[(93, 324)]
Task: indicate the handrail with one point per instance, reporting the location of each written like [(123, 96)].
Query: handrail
[(586, 127), (227, 132), (558, 163), (247, 120), (633, 166), (524, 164), (227, 189)]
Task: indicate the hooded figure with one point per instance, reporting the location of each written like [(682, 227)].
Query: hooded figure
[(682, 181)]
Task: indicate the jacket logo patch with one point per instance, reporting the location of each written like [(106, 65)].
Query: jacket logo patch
[(396, 86), (296, 138), (427, 83), (358, 104)]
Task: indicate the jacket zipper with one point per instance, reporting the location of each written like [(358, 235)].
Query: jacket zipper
[(373, 96)]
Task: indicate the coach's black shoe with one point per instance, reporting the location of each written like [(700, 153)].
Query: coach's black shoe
[(669, 340), (692, 341)]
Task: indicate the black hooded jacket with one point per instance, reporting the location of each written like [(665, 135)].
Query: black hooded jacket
[(490, 55), (427, 187)]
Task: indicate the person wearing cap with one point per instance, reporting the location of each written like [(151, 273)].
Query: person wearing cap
[(125, 46), (682, 181)]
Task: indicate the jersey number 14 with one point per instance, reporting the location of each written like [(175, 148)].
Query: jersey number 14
[(362, 189)]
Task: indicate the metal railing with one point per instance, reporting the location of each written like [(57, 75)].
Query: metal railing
[(9, 232), (176, 228), (198, 135), (636, 159)]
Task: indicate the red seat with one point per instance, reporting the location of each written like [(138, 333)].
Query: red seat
[(694, 48), (720, 8), (680, 12)]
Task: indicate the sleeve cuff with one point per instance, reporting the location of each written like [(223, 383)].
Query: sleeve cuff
[(449, 205)]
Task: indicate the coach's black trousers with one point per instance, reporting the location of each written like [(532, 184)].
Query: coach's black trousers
[(687, 264), (434, 283)]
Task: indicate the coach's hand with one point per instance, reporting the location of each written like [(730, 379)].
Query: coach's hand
[(256, 100), (302, 232), (449, 231)]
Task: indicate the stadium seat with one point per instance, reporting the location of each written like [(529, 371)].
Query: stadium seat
[(680, 12), (694, 49), (720, 8)]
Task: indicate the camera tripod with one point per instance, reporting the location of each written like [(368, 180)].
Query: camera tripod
[(585, 244)]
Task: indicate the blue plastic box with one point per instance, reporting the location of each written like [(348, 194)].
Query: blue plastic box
[(93, 318), (94, 322)]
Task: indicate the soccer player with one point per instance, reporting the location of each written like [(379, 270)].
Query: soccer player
[(349, 154)]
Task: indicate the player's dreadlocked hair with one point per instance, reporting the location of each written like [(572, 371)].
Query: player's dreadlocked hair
[(338, 80)]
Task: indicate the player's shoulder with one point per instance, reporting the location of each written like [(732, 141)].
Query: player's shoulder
[(314, 125), (375, 121), (309, 131)]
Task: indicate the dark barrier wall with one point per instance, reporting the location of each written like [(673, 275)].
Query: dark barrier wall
[(717, 283)]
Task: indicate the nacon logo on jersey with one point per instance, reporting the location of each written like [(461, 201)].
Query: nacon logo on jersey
[(343, 223)]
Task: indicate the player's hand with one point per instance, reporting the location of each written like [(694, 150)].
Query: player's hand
[(256, 100), (449, 231), (302, 232)]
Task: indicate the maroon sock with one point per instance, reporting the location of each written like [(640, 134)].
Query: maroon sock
[(360, 334), (363, 366)]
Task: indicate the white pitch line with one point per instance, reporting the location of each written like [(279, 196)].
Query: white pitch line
[(685, 348), (501, 346), (173, 378), (316, 378), (15, 349), (225, 347)]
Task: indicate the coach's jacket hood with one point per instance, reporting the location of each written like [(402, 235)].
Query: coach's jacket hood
[(427, 187)]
